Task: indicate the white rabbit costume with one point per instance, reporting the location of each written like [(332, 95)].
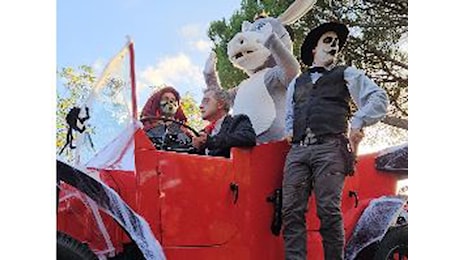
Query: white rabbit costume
[(263, 49)]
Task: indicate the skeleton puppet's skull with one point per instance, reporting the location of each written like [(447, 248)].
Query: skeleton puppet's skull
[(169, 104)]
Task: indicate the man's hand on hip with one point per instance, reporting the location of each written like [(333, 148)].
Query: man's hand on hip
[(355, 136)]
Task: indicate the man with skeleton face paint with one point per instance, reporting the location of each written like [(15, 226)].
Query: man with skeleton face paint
[(323, 142)]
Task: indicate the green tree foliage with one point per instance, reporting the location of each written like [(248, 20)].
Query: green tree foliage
[(377, 28), (192, 112)]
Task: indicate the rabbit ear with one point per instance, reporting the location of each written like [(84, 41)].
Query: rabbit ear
[(245, 26), (295, 11)]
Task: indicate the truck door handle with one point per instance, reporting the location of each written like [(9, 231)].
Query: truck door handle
[(235, 190), (353, 193)]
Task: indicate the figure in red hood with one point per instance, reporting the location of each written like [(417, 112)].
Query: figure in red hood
[(164, 102), (159, 114)]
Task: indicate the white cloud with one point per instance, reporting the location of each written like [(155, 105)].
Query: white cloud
[(173, 70), (192, 31), (195, 37), (202, 45), (177, 71), (99, 65)]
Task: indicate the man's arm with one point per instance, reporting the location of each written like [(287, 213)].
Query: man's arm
[(240, 134), (371, 100)]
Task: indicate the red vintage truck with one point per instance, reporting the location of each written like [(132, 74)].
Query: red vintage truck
[(134, 199), (202, 207)]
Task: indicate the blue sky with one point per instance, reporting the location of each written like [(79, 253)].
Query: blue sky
[(170, 41)]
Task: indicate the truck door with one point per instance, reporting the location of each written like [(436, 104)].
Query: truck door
[(196, 201)]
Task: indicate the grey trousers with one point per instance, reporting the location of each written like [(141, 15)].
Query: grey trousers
[(318, 168)]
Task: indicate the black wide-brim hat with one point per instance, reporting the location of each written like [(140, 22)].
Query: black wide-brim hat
[(313, 36)]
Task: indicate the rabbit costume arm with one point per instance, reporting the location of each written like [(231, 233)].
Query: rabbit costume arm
[(211, 77), (289, 67)]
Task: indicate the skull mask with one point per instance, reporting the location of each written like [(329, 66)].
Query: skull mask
[(169, 104), (326, 51)]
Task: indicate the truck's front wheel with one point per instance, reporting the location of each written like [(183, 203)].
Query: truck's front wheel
[(394, 245), (69, 248)]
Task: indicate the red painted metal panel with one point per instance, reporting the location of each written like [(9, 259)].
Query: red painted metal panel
[(148, 198), (196, 200), (188, 203), (76, 219), (259, 171), (373, 183)]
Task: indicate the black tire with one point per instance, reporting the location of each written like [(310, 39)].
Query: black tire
[(69, 248), (394, 244)]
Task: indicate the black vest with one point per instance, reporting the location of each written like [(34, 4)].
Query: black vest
[(323, 107)]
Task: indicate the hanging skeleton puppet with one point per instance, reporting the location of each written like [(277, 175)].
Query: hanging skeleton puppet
[(263, 49), (75, 120)]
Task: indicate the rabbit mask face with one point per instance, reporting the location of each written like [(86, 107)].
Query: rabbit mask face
[(246, 52), (246, 49)]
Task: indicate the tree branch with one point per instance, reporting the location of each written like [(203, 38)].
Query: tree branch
[(388, 58), (396, 122)]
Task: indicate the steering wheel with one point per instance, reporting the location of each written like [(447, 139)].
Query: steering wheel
[(170, 137)]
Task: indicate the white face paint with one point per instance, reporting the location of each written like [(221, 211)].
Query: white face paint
[(326, 51), (169, 104)]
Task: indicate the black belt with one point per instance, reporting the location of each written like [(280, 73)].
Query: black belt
[(320, 139)]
